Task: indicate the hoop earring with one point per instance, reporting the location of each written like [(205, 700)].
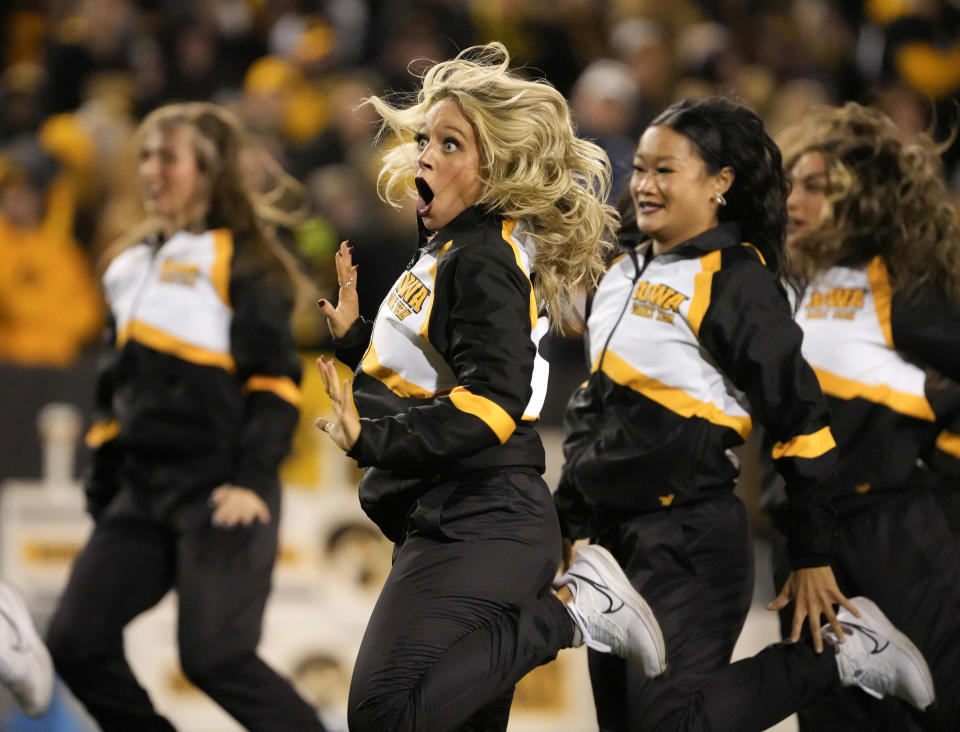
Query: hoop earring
[(720, 200)]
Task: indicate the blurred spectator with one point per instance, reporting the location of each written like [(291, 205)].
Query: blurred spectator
[(94, 39), (21, 86), (544, 37), (49, 304), (348, 136), (790, 102), (643, 46), (604, 99), (410, 33), (202, 63), (280, 105), (705, 51)]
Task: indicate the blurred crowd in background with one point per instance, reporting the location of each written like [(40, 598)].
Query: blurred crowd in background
[(78, 75)]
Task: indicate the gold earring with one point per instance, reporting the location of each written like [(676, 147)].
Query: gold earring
[(720, 200)]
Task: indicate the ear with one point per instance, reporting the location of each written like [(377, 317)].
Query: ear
[(725, 179)]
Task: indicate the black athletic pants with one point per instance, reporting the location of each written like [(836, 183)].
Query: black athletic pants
[(900, 553), (222, 578), (950, 501), (467, 609), (693, 564)]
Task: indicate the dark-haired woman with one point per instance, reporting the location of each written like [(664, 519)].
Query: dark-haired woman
[(875, 239), (690, 339), (198, 391)]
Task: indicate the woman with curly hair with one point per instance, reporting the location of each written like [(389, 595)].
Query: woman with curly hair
[(198, 401), (691, 340), (875, 240), (449, 381)]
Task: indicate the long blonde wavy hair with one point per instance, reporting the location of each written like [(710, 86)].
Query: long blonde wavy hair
[(886, 195), (533, 166), (249, 192)]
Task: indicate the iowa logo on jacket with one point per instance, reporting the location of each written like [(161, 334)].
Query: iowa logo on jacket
[(839, 303), (656, 301), (180, 273), (408, 296)]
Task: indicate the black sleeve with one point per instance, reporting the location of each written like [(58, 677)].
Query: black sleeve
[(268, 370), (100, 480), (353, 345), (574, 511), (749, 331), (925, 325), (481, 322)]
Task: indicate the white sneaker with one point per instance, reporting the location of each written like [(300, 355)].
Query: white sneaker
[(609, 614), (879, 658), (25, 666)]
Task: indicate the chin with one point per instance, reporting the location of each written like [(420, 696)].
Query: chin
[(650, 231)]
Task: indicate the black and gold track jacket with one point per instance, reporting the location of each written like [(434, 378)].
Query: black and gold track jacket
[(448, 378), (686, 349), (874, 351), (198, 380)]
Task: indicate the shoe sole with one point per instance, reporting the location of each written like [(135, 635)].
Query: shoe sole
[(12, 602), (873, 617), (609, 569)]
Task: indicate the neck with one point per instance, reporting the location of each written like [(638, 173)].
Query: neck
[(659, 247), (194, 219)]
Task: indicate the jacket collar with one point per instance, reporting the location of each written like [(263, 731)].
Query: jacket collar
[(469, 219), (721, 236)]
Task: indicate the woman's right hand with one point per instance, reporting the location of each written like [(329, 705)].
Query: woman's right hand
[(340, 318)]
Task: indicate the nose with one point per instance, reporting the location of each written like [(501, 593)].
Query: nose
[(424, 156), (793, 200), (640, 182), (149, 167)]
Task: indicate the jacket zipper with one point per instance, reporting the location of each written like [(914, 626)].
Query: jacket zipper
[(639, 270), (417, 256), (144, 284)]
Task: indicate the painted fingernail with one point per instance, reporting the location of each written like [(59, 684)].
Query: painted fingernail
[(321, 303), (351, 249)]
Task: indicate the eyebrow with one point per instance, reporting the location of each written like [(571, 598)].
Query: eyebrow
[(640, 156), (451, 128)]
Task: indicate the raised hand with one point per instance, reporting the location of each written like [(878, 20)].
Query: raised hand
[(345, 428), (341, 317)]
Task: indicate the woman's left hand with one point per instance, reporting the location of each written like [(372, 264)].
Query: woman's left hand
[(345, 428), (815, 591), (235, 505)]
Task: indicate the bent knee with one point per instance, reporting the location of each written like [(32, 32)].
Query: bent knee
[(394, 710), (74, 651), (210, 663)]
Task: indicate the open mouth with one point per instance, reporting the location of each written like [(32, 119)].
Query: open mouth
[(794, 225), (425, 197)]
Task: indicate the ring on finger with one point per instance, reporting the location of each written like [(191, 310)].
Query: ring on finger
[(328, 426), (347, 283)]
